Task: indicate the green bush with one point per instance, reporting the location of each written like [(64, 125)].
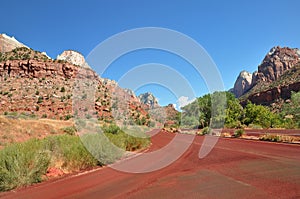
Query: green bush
[(22, 164), (40, 99), (206, 130), (71, 130), (25, 163), (238, 133), (128, 142), (67, 117), (101, 147), (70, 151), (112, 128)]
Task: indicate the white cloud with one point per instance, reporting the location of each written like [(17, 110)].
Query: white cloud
[(183, 101)]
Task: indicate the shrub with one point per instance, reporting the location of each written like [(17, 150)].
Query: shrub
[(270, 137), (25, 163), (128, 142), (44, 116), (40, 100), (71, 130), (22, 164), (67, 117), (62, 89), (70, 151), (238, 133), (112, 128), (206, 130), (101, 148)]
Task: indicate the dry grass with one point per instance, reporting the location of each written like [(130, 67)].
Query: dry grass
[(20, 130)]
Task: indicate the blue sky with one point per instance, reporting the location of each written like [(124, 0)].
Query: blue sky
[(236, 34)]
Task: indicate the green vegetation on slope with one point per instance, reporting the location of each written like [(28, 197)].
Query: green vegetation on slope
[(22, 53)]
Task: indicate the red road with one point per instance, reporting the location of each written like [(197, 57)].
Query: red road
[(234, 169)]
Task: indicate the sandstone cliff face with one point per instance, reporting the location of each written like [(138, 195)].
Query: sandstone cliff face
[(73, 57), (40, 69), (274, 65), (8, 43), (242, 84), (271, 95)]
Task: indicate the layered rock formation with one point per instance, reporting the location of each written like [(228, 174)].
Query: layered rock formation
[(40, 69), (269, 96), (274, 65)]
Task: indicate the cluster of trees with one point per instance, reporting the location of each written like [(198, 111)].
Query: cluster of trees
[(223, 109)]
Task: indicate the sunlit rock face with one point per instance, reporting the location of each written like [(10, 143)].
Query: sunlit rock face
[(73, 57)]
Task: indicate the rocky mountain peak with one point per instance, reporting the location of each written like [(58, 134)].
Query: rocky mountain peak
[(148, 99), (243, 83), (9, 43), (277, 61), (73, 57)]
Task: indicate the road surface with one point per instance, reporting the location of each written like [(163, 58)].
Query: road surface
[(235, 168)]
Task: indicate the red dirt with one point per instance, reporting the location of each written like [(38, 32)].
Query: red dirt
[(234, 169)]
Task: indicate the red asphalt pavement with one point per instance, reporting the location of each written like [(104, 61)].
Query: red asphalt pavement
[(235, 168)]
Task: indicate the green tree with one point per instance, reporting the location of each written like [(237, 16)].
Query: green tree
[(259, 115), (234, 113), (291, 111)]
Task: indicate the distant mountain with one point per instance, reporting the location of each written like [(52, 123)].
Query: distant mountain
[(149, 99), (8, 43), (277, 76), (170, 115)]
